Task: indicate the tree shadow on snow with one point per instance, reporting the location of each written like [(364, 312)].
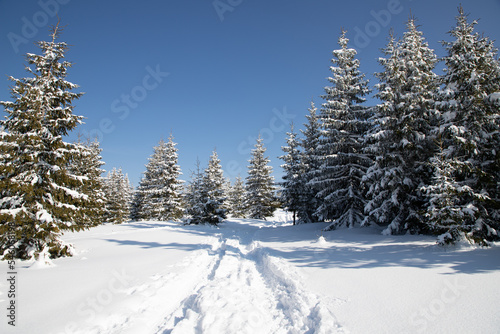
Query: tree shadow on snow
[(375, 251), (356, 248), (148, 224), (156, 245)]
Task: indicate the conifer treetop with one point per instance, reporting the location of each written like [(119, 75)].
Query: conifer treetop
[(47, 95), (348, 84)]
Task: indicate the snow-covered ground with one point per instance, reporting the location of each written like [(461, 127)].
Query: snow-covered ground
[(251, 276)]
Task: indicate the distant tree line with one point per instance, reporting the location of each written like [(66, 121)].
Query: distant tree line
[(209, 197)]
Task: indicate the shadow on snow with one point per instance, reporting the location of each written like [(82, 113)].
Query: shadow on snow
[(343, 248)]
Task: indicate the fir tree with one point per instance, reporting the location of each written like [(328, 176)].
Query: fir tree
[(193, 197), (159, 196), (39, 193), (173, 186), (449, 208), (212, 190), (344, 122), (402, 140), (236, 199), (311, 161), (292, 185), (470, 133), (260, 200), (118, 197), (226, 188), (87, 164), (129, 193), (137, 203)]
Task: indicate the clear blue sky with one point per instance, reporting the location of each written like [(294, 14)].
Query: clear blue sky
[(214, 77)]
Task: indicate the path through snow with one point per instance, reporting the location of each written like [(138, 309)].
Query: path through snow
[(229, 285), (248, 291)]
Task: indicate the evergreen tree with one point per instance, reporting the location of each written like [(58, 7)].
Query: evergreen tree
[(260, 200), (87, 164), (137, 203), (129, 193), (344, 123), (205, 195), (227, 188), (118, 197), (213, 196), (194, 197), (311, 161), (402, 140), (159, 196), (141, 208), (292, 185), (470, 132), (236, 199), (39, 193), (449, 207)]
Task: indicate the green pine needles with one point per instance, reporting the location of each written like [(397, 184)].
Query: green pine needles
[(40, 191)]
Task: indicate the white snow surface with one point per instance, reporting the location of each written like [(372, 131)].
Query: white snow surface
[(253, 276)]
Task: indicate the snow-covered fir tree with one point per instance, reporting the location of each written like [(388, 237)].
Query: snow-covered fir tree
[(227, 188), (449, 206), (159, 193), (401, 141), (136, 204), (311, 161), (344, 123), (464, 198), (118, 197), (140, 208), (39, 194), (205, 196), (193, 197), (293, 181), (261, 201), (213, 195), (87, 164), (129, 193), (236, 198)]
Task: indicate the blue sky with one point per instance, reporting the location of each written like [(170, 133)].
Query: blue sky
[(214, 73)]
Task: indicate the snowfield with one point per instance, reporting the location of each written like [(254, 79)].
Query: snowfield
[(252, 276)]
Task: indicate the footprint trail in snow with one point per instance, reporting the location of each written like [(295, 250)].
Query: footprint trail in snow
[(248, 291), (229, 285)]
